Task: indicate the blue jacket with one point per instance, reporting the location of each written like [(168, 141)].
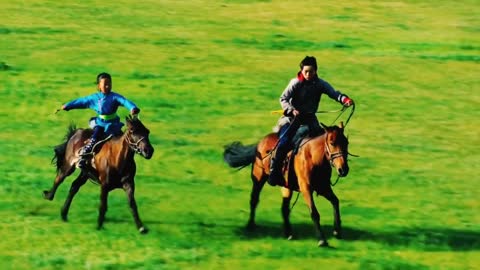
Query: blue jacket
[(103, 104)]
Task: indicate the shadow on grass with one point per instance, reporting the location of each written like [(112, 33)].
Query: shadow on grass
[(428, 239)]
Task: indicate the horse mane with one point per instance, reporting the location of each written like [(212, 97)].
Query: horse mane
[(135, 122), (60, 150)]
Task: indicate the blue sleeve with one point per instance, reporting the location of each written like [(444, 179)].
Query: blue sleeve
[(125, 102), (79, 103)]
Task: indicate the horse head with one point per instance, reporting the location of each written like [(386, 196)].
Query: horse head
[(137, 137), (336, 148)]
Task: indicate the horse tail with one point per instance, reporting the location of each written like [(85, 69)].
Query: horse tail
[(237, 155), (60, 150)]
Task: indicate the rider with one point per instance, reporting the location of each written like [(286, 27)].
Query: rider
[(105, 103), (300, 101)]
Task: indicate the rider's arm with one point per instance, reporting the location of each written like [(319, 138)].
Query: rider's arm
[(79, 103), (286, 96), (335, 95), (131, 107)]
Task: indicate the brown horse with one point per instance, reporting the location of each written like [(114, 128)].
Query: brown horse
[(309, 170), (112, 167)]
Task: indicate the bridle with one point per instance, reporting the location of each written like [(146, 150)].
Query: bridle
[(134, 145), (332, 156)]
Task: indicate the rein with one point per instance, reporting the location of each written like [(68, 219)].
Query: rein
[(101, 141), (336, 181), (335, 155), (295, 202), (342, 110)]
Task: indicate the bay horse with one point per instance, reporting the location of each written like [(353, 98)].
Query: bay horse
[(113, 166), (309, 171)]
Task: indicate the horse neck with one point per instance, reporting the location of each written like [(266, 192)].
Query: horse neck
[(316, 146), (120, 147)]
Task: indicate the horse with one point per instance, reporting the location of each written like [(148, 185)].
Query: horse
[(308, 171), (113, 166)]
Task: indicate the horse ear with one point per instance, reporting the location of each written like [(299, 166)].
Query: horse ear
[(341, 125), (323, 126)]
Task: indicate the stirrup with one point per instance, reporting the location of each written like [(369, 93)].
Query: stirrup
[(82, 163)]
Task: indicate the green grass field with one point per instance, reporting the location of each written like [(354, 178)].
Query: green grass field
[(206, 73)]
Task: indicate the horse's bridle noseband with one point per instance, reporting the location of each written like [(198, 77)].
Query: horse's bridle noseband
[(332, 156), (134, 145)]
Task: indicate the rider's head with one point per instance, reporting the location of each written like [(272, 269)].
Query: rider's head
[(104, 82), (308, 67)]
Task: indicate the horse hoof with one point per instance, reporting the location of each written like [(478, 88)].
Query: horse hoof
[(337, 234), (47, 195), (323, 243), (251, 226), (143, 230), (290, 237)]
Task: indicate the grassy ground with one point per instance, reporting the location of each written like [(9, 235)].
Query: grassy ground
[(206, 73)]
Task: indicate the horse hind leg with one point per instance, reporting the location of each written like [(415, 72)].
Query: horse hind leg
[(258, 181), (80, 181), (63, 173), (287, 227)]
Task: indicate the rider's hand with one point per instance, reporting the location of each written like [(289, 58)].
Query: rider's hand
[(290, 112), (347, 102), (135, 111)]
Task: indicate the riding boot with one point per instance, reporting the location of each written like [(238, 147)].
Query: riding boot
[(276, 164), (86, 153)]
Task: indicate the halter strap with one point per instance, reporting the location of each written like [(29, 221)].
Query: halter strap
[(133, 145), (331, 156)]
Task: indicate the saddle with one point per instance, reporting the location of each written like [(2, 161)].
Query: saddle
[(90, 168), (302, 136), (89, 156)]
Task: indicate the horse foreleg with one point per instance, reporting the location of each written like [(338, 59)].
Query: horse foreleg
[(61, 175), (130, 191), (80, 181), (337, 223), (103, 207), (322, 242), (287, 227), (258, 181)]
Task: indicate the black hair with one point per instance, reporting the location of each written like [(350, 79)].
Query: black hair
[(103, 75), (309, 61)]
